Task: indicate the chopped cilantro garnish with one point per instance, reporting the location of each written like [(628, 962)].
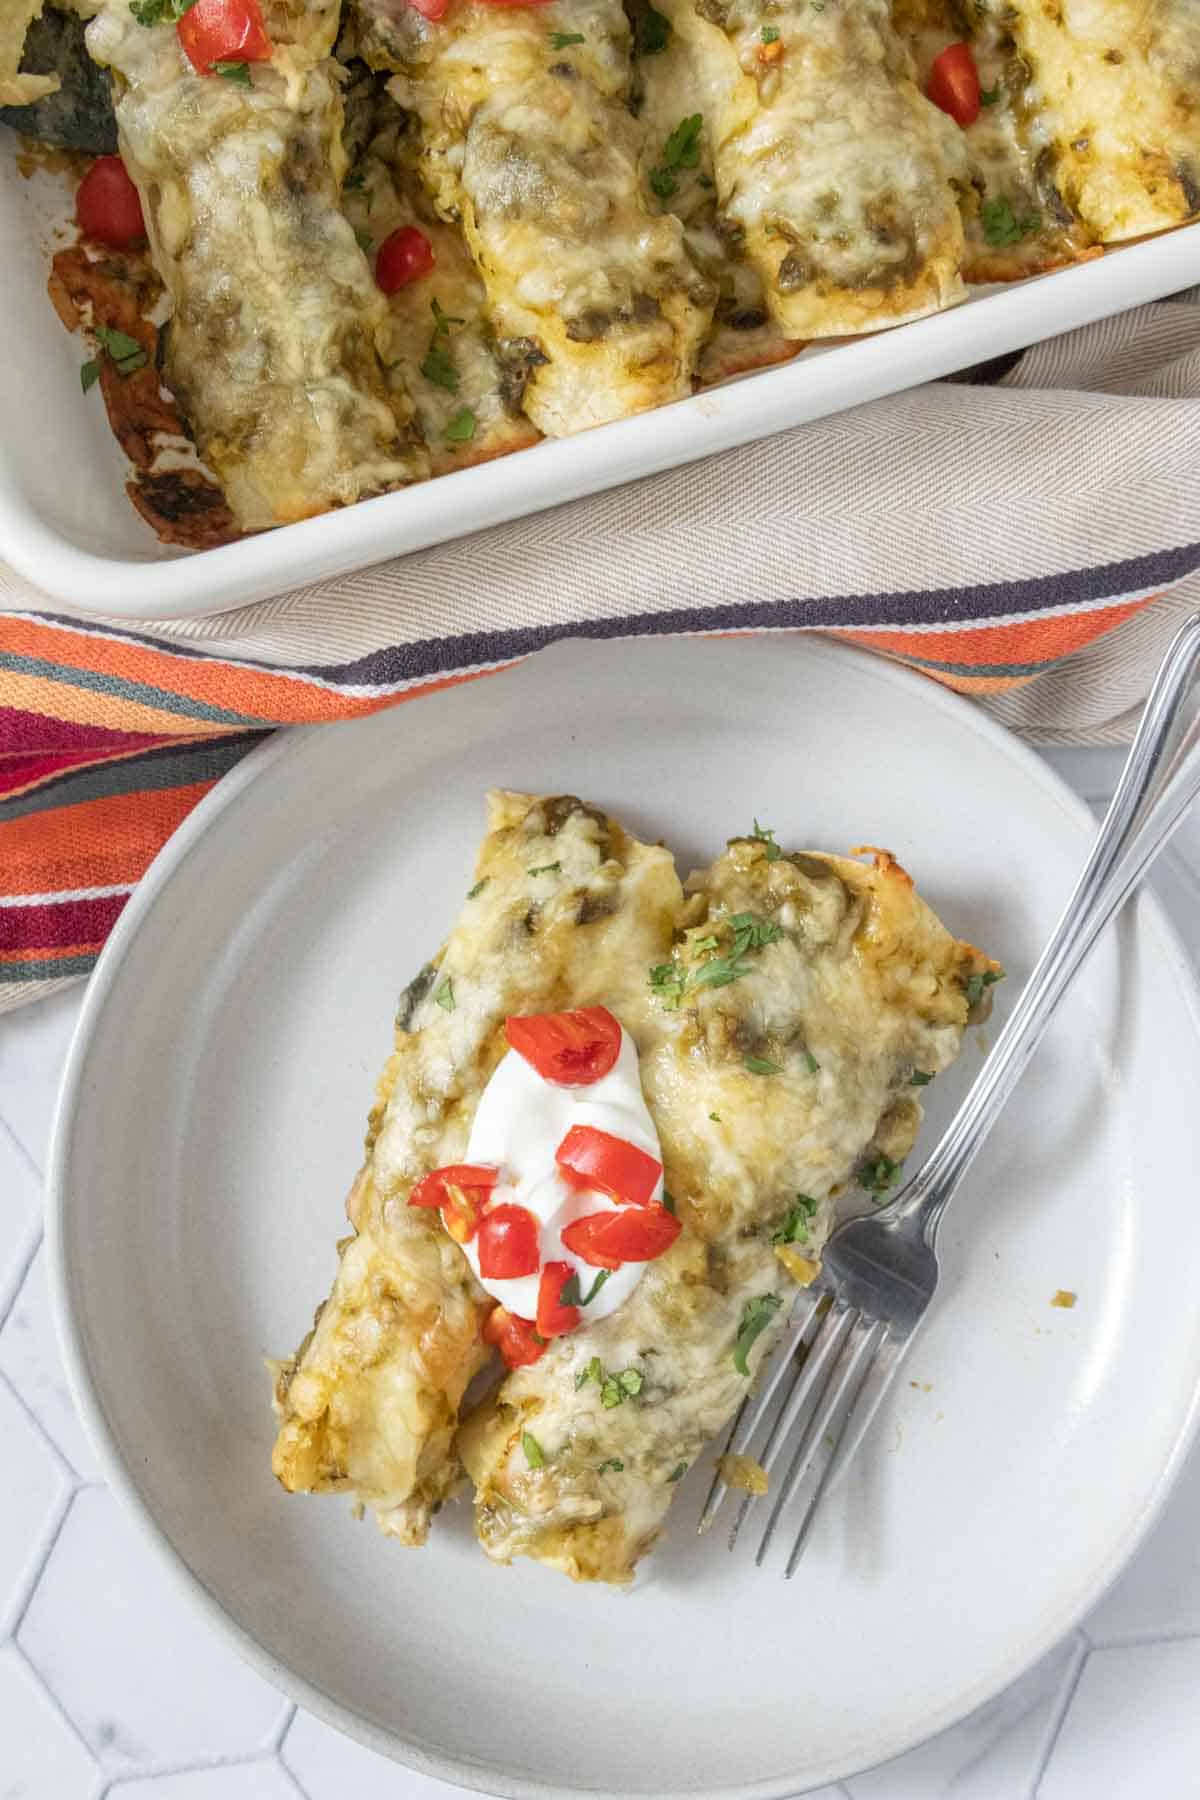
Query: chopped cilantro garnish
[(534, 1455), (89, 374), (364, 241), (562, 40), (612, 1462), (989, 96), (769, 35), (442, 320), (593, 1371), (438, 368), (545, 869), (671, 982), (445, 995), (668, 1201), (756, 1316), (652, 32), (761, 1065), (125, 351), (475, 892), (1002, 227), (715, 1117), (159, 12), (719, 972), (354, 181), (764, 833), (977, 983), (920, 1078), (461, 428), (793, 1228), (233, 71), (631, 1381), (879, 1174), (681, 151), (678, 1472), (610, 1392), (570, 1294), (810, 1062), (750, 933)]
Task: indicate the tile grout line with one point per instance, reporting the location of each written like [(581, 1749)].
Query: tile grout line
[(1143, 1640), (199, 1764), (23, 1149), (57, 1705), (281, 1730), (38, 1569), (23, 1265), (1070, 1688)]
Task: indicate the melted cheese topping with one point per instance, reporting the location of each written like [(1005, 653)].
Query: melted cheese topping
[(535, 150), (1114, 84), (861, 987), (272, 346), (369, 1403), (834, 167)]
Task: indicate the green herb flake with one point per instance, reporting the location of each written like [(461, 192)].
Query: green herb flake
[(793, 1229), (356, 180), (593, 1371), (1001, 225), (719, 972), (461, 428), (474, 893), (681, 151), (761, 1065), (976, 984), (750, 933), (652, 32), (715, 1117), (989, 96), (125, 351), (678, 1472), (612, 1462), (233, 71), (534, 1454), (438, 368), (365, 241), (442, 320), (668, 1201), (769, 35), (669, 982), (920, 1078), (569, 1295), (159, 12), (879, 1174), (89, 375), (545, 869), (562, 40), (445, 995), (810, 1062), (610, 1392), (756, 1316), (631, 1381), (764, 833)]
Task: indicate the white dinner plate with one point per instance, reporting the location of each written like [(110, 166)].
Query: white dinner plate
[(212, 1118)]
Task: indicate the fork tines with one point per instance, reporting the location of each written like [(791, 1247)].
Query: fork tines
[(805, 1396)]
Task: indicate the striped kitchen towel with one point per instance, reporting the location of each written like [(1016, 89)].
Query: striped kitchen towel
[(1006, 536)]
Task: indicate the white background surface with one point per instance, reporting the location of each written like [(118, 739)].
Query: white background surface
[(110, 1685)]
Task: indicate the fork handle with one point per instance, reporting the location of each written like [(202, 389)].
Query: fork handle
[(1155, 790)]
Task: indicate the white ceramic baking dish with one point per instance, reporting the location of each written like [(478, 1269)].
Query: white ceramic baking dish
[(68, 526)]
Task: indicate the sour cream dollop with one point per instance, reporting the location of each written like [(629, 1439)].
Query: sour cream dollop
[(520, 1121)]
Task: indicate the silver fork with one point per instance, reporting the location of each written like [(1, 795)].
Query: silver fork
[(848, 1334)]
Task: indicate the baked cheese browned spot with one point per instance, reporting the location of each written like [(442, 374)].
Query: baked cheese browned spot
[(839, 174), (369, 1403), (1015, 219), (272, 349), (770, 1093), (531, 143), (1115, 92)]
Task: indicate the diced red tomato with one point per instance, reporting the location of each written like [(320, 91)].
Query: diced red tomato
[(430, 9), (553, 1318), (508, 1244), (462, 1212), (517, 2), (514, 1337), (954, 84), (572, 1049), (637, 1234), (431, 1190), (402, 258), (108, 206), (213, 31), (591, 1158)]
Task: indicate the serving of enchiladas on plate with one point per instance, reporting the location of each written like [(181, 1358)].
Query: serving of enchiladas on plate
[(620, 1119), (330, 249)]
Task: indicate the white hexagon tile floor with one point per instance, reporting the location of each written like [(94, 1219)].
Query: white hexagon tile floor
[(113, 1688)]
